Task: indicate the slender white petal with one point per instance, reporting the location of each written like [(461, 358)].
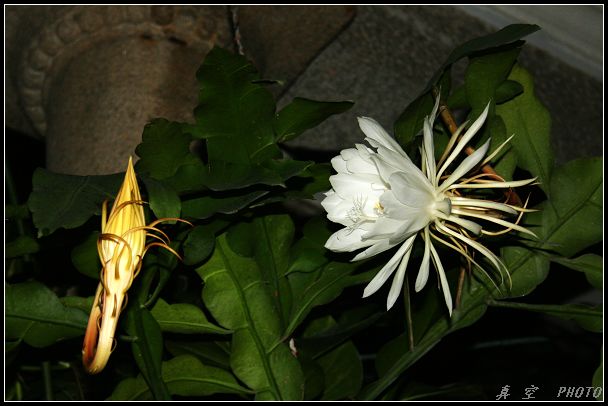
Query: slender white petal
[(464, 140), (377, 135), (468, 203), (445, 287), (377, 248), (423, 273), (412, 189), (397, 284), (496, 221), (465, 166), (492, 185), (347, 240), (386, 271), (429, 150)]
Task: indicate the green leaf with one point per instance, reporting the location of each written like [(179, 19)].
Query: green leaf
[(83, 303), (185, 376), (506, 91), (198, 245), (591, 264), (20, 246), (234, 114), (238, 298), (213, 353), (527, 118), (14, 211), (68, 201), (147, 348), (85, 257), (343, 372), (566, 224), (163, 199), (164, 148), (505, 36), (34, 314), (588, 317), (183, 318), (303, 114), (205, 207), (310, 289)]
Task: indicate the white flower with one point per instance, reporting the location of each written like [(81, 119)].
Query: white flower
[(383, 201)]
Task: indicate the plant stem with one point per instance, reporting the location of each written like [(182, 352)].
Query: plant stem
[(408, 314), (460, 285), (48, 382)]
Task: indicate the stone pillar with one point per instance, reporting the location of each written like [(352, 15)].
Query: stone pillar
[(95, 75)]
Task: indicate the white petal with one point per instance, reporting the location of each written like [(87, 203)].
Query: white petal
[(355, 164), (429, 150), (466, 165), (374, 249), (377, 135), (387, 269), (445, 287), (397, 284), (346, 240), (351, 186), (383, 228), (412, 189), (464, 140), (339, 164), (423, 273)]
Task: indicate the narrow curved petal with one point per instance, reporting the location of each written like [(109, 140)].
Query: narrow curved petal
[(423, 273), (397, 284), (466, 165), (445, 287), (347, 240), (386, 271), (376, 135)]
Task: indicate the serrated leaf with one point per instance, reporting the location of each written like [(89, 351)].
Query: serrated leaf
[(183, 318), (527, 118), (185, 376), (147, 348), (20, 246), (67, 201), (85, 257), (592, 265), (505, 36), (198, 245), (212, 353), (234, 114), (303, 114), (164, 148), (34, 314), (163, 199), (205, 207), (310, 289), (238, 299)]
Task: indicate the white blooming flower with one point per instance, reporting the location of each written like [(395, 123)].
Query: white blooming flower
[(384, 200)]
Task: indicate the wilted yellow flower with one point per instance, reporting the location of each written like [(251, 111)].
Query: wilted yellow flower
[(121, 247)]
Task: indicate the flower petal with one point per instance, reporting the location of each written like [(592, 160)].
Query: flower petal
[(376, 135), (387, 269), (466, 165), (347, 240), (445, 287), (397, 284), (412, 189), (423, 273)]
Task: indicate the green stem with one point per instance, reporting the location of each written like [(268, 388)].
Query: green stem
[(408, 314), (48, 383)]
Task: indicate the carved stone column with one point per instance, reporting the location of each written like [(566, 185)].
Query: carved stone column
[(94, 75)]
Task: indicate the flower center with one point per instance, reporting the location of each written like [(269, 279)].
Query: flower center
[(444, 206)]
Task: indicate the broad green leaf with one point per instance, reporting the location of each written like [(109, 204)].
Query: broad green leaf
[(505, 36), (527, 118), (234, 115), (237, 297), (185, 376), (212, 353), (34, 314), (198, 245), (77, 302), (314, 380), (14, 211), (309, 252), (328, 338), (163, 149), (67, 201), (183, 318), (315, 179), (409, 124), (303, 114), (310, 289), (591, 264), (147, 348), (163, 199), (588, 317), (205, 207), (565, 224), (85, 257), (20, 246), (506, 91)]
